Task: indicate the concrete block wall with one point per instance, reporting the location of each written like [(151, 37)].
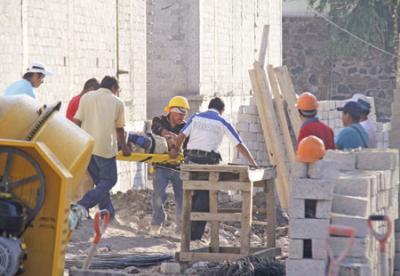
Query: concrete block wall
[(362, 187), (309, 211), (77, 41)]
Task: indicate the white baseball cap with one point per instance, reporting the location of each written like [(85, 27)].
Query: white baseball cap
[(36, 67)]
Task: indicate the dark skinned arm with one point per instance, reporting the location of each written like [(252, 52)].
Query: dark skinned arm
[(126, 150), (246, 154)]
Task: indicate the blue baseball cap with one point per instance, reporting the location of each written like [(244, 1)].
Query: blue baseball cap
[(353, 108)]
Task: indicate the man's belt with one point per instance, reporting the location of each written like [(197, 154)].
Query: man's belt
[(203, 157)]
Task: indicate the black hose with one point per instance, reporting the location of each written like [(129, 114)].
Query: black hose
[(120, 261)]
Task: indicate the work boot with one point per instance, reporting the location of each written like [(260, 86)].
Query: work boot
[(155, 230)]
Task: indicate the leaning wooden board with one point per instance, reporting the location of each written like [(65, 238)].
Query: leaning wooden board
[(270, 127)]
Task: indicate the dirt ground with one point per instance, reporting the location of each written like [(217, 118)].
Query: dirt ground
[(130, 232)]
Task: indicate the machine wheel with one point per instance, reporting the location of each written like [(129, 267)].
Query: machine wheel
[(30, 190)]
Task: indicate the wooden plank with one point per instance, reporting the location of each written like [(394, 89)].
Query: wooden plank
[(186, 224), (245, 224), (200, 216), (208, 257), (215, 168), (264, 45), (214, 231), (289, 95), (280, 107), (220, 186), (268, 120), (257, 211), (271, 212)]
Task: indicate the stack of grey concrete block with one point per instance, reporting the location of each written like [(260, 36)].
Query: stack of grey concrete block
[(250, 131), (348, 187), (309, 211)]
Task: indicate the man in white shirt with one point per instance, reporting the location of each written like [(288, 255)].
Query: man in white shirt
[(101, 114), (206, 130)]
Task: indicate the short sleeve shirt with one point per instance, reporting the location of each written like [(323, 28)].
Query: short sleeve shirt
[(101, 113), (73, 107), (20, 87), (352, 137)]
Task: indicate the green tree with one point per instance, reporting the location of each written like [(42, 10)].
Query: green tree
[(375, 21)]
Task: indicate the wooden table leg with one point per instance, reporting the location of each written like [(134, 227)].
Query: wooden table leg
[(245, 231), (214, 224), (271, 212), (186, 223)]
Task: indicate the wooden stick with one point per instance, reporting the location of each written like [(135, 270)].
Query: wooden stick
[(186, 223), (264, 45), (245, 230), (214, 243), (289, 95), (280, 106), (271, 212)]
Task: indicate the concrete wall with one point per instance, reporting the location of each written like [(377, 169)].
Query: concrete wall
[(173, 51), (76, 40), (314, 68)]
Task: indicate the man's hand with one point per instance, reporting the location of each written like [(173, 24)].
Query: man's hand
[(166, 133), (173, 153), (126, 150)]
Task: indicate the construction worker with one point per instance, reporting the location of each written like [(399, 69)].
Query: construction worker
[(368, 125), (353, 135), (307, 104), (101, 114), (206, 131), (33, 78), (168, 126), (90, 85)]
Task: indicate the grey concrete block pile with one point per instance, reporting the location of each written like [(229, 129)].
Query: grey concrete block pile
[(344, 188)]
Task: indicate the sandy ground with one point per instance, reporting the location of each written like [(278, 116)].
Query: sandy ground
[(130, 232)]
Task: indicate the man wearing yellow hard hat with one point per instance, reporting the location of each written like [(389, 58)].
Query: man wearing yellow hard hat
[(168, 126)]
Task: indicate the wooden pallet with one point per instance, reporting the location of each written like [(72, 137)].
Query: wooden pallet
[(215, 178)]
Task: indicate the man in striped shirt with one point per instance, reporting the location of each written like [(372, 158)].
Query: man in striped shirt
[(206, 131)]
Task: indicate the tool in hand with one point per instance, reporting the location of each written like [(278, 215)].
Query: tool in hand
[(100, 223)]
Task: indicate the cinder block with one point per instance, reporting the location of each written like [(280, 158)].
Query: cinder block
[(318, 249), (377, 159), (308, 228), (353, 269), (305, 267), (359, 224), (323, 169), (170, 268), (354, 184), (345, 161), (242, 126), (255, 128), (349, 205), (86, 272), (359, 248), (297, 208), (313, 189), (299, 170), (324, 209)]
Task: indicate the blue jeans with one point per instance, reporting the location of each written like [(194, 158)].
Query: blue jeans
[(160, 183), (104, 174)]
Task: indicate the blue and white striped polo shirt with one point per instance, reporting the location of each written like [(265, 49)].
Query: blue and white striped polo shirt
[(206, 130)]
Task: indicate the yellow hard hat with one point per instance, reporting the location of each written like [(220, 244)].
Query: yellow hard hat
[(177, 101)]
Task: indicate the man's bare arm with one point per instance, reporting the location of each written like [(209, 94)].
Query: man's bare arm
[(246, 154), (126, 151)]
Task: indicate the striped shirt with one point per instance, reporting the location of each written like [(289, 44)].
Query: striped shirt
[(206, 130)]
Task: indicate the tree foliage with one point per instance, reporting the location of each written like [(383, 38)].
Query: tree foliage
[(374, 21)]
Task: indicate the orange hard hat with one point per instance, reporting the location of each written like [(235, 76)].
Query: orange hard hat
[(310, 149), (307, 101)]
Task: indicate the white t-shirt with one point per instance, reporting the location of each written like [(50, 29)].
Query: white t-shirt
[(206, 131), (370, 128)]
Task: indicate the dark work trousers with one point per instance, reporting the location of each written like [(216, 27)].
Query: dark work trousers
[(200, 199)]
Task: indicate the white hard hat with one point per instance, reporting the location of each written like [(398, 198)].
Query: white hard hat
[(37, 67)]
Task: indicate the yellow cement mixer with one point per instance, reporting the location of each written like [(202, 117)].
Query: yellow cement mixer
[(42, 158)]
